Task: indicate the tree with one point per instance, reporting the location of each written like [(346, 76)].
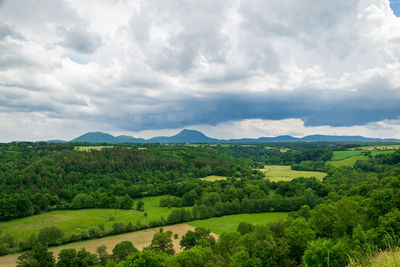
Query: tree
[(84, 258), (245, 228), (196, 256), (242, 259), (163, 242), (126, 202), (50, 235), (122, 250), (324, 252), (67, 258), (298, 234), (140, 206), (102, 254), (39, 256)]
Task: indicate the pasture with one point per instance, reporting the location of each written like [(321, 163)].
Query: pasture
[(213, 178), (89, 148), (72, 221), (276, 173), (228, 223), (140, 239), (339, 155), (347, 161)]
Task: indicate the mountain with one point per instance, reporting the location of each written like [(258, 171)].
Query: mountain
[(56, 141), (185, 136), (192, 136), (99, 137)]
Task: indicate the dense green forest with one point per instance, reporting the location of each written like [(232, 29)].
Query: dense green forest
[(353, 211)]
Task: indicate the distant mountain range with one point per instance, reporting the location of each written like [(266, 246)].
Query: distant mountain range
[(192, 136)]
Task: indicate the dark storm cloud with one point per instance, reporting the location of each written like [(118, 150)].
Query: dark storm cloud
[(80, 40), (313, 106)]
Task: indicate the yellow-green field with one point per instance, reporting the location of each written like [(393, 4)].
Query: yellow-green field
[(369, 148), (89, 148), (71, 221), (276, 173), (228, 223), (213, 178), (140, 239)]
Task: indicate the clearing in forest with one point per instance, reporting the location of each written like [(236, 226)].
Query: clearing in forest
[(73, 221), (213, 178), (276, 173), (229, 223)]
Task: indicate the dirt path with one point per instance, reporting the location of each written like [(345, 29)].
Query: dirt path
[(140, 239)]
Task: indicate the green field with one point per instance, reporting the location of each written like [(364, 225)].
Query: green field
[(349, 157), (71, 221), (339, 155), (219, 225), (277, 173), (213, 178), (346, 162)]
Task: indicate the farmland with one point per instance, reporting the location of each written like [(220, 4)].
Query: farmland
[(228, 223), (276, 173), (72, 221)]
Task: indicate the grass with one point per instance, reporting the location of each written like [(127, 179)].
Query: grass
[(88, 148), (339, 155), (389, 258), (347, 161), (71, 221), (277, 173), (140, 239), (228, 223), (213, 178)]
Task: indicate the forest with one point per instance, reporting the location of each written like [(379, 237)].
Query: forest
[(354, 210)]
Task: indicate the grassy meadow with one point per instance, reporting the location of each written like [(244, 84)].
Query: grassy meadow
[(347, 161), (89, 148), (228, 223), (276, 173), (339, 155), (213, 178), (70, 221)]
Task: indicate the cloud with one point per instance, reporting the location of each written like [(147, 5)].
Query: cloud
[(80, 40), (166, 65)]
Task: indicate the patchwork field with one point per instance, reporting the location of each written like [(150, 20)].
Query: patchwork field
[(76, 220), (213, 178), (228, 223), (277, 173), (140, 239)]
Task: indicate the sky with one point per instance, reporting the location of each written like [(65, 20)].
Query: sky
[(229, 68)]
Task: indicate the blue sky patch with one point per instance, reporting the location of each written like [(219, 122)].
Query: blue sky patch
[(395, 5)]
